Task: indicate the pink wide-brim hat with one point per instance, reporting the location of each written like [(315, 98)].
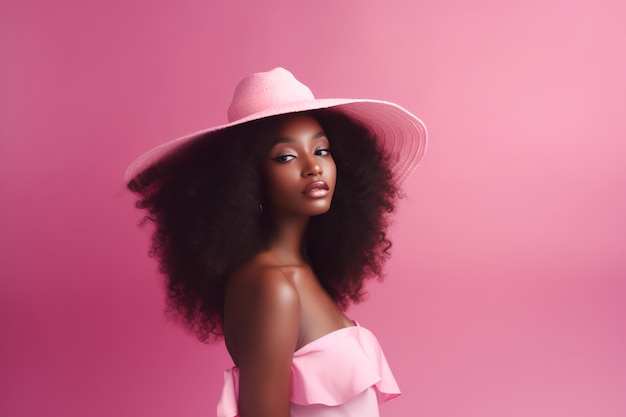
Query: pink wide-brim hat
[(402, 136)]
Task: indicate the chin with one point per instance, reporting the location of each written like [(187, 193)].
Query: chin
[(317, 211)]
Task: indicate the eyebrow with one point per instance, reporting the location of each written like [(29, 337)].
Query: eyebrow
[(290, 140)]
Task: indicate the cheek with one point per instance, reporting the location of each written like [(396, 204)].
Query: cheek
[(331, 171), (276, 182)]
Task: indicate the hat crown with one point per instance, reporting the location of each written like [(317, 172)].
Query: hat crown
[(266, 90)]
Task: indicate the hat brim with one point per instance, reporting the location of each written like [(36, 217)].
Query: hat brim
[(402, 136)]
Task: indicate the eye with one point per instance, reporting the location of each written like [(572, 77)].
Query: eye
[(283, 158), (322, 152)]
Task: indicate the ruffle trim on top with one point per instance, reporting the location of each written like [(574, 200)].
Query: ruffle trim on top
[(331, 371), (227, 405)]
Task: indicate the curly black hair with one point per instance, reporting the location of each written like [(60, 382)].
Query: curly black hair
[(204, 201)]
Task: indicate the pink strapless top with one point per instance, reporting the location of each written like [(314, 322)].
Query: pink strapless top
[(341, 374)]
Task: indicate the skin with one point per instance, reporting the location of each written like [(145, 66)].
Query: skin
[(274, 304)]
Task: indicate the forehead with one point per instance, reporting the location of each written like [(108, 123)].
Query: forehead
[(294, 125)]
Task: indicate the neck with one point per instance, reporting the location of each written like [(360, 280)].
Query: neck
[(287, 241)]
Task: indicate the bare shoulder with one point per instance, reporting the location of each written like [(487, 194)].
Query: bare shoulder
[(262, 309), (257, 283)]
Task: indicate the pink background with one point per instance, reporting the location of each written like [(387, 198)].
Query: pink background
[(506, 293)]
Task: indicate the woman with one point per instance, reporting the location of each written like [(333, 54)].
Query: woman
[(266, 229)]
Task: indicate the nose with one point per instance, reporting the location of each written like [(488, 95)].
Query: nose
[(312, 167)]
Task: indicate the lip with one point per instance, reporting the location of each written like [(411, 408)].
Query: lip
[(316, 189)]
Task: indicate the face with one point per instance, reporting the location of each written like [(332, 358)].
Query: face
[(300, 172)]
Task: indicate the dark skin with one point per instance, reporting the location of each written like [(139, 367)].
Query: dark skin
[(275, 304)]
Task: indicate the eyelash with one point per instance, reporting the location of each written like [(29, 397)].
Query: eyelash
[(283, 158), (288, 157)]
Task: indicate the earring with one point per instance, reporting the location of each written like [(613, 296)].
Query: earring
[(260, 208)]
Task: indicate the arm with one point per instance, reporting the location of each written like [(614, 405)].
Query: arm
[(263, 312)]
